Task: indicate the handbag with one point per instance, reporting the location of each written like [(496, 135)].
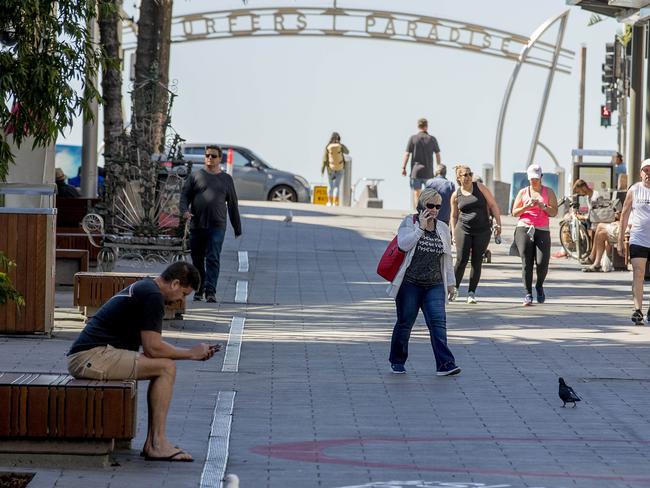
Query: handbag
[(603, 211), (391, 260)]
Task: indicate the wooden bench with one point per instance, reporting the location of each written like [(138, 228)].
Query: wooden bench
[(71, 238), (69, 234), (92, 290), (56, 415), (68, 263)]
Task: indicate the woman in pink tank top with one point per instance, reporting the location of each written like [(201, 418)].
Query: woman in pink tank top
[(534, 205)]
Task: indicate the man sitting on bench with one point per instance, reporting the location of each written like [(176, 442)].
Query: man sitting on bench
[(107, 348)]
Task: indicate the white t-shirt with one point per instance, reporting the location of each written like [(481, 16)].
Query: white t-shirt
[(640, 232)]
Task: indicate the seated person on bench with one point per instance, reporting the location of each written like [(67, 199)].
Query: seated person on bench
[(605, 236), (108, 348)]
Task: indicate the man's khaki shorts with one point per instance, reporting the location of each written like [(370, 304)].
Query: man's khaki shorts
[(104, 363)]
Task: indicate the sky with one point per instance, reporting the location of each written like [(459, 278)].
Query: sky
[(283, 97)]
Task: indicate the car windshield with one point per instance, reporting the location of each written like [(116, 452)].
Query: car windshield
[(257, 157)]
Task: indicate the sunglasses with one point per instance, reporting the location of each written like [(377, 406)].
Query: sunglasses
[(213, 156), (431, 206), (465, 175)]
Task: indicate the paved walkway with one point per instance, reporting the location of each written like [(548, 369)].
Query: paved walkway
[(316, 406)]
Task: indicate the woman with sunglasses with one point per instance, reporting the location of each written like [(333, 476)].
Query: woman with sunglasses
[(471, 206), (422, 283)]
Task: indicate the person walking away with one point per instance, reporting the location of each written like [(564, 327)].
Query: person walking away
[(420, 149), (206, 197), (471, 206), (619, 168), (445, 188), (108, 348), (334, 163), (63, 190), (637, 201), (533, 206), (422, 283)]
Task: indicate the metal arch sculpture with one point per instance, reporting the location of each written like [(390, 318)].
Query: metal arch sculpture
[(523, 56), (355, 23)]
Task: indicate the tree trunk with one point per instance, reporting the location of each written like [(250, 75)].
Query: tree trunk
[(109, 27), (150, 96)]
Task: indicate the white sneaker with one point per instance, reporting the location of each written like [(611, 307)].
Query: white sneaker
[(471, 298)]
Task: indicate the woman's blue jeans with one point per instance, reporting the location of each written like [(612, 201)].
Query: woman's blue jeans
[(431, 300), (205, 246)]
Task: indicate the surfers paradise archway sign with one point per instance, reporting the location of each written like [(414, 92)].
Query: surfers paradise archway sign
[(344, 22)]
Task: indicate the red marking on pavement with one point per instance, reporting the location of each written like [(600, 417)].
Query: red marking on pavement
[(313, 452)]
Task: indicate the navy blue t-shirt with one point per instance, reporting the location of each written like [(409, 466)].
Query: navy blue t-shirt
[(120, 320)]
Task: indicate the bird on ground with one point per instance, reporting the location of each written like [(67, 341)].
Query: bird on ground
[(289, 218), (567, 395)]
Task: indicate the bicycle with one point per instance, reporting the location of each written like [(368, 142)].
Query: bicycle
[(574, 235)]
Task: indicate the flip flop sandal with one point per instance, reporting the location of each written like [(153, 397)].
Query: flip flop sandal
[(170, 459), (591, 269)]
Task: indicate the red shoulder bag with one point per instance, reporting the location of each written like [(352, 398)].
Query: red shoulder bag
[(391, 260)]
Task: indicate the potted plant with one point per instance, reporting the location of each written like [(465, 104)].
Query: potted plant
[(7, 290)]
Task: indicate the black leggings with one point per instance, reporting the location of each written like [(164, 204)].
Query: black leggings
[(536, 251), (466, 245)]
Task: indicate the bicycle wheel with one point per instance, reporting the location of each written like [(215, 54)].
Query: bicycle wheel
[(569, 244), (585, 242), (565, 238)]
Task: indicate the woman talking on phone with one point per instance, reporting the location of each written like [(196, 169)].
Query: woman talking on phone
[(422, 283), (534, 205)]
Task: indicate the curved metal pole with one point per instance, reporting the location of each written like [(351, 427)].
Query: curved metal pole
[(513, 78), (548, 151), (547, 90)]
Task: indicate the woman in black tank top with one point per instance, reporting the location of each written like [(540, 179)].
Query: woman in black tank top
[(471, 206)]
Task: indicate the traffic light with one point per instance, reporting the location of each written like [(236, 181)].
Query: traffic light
[(605, 116), (611, 99), (609, 66)]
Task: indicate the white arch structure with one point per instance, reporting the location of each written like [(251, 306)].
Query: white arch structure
[(343, 22), (525, 52)]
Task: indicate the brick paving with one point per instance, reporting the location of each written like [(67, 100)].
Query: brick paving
[(316, 405)]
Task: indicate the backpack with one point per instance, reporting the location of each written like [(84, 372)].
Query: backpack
[(335, 156)]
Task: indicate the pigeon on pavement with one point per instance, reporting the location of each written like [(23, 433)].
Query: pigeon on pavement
[(567, 395), (289, 218)]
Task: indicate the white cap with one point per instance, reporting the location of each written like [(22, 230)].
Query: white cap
[(534, 171), (645, 163)]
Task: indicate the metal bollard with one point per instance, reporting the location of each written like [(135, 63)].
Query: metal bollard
[(231, 481)]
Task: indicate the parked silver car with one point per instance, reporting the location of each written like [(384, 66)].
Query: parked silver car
[(255, 179)]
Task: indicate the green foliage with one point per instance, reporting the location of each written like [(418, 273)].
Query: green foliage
[(45, 53), (626, 36), (7, 290), (594, 19)]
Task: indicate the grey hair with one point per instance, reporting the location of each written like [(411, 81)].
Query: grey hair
[(428, 194), (441, 170)]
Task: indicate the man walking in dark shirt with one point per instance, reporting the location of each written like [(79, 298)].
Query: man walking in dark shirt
[(108, 348), (207, 196), (420, 148)]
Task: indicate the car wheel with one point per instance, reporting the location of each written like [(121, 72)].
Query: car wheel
[(283, 193)]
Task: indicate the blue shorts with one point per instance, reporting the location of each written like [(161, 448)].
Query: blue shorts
[(418, 183)]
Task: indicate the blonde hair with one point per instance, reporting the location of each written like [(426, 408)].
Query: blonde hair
[(459, 169), (426, 195)]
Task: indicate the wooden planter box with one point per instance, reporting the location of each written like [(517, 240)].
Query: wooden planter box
[(28, 239), (93, 289)]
